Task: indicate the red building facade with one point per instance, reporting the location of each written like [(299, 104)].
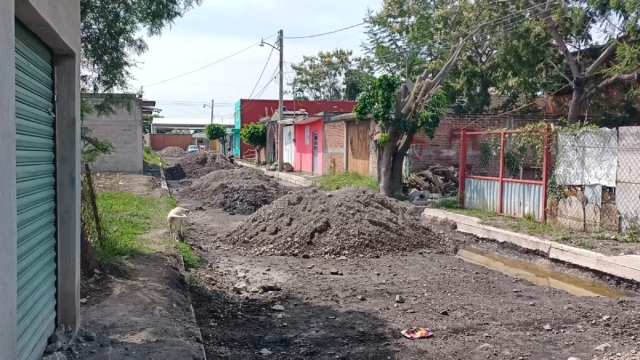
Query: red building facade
[(251, 110)]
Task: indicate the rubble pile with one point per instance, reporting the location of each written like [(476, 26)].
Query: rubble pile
[(198, 164), (238, 191), (172, 152), (352, 221), (436, 179)]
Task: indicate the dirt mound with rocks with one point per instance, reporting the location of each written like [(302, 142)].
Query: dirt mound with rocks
[(197, 164), (172, 151), (238, 191), (351, 222)]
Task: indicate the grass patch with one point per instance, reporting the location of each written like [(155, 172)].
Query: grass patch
[(587, 245), (447, 204), (191, 260), (152, 158), (338, 180), (193, 280), (124, 218)]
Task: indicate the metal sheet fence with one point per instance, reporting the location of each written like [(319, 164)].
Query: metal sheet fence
[(508, 175)]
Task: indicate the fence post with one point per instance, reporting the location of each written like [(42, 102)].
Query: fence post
[(546, 158), (463, 167), (501, 175)]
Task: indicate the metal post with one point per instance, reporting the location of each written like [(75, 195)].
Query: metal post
[(280, 103), (501, 176), (211, 111), (546, 158), (463, 167)]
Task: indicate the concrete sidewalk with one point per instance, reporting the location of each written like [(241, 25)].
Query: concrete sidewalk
[(295, 178), (624, 266)]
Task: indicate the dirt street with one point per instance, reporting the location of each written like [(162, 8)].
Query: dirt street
[(474, 312)]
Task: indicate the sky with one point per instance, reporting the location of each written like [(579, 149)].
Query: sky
[(219, 28)]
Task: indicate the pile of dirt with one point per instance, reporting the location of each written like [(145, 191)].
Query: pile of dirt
[(197, 164), (238, 191), (172, 151), (351, 221)]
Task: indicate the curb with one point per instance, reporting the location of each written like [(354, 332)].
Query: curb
[(293, 179), (193, 312), (624, 266), (163, 182)]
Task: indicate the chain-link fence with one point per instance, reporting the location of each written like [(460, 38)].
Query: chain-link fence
[(595, 183)]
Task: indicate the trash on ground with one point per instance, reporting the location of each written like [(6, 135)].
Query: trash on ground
[(417, 333)]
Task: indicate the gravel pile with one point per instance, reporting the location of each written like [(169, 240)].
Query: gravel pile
[(197, 164), (172, 151), (351, 222), (238, 191)]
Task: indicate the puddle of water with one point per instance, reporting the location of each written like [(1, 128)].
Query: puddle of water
[(537, 274)]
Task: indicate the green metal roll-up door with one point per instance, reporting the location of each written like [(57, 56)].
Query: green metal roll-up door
[(35, 177)]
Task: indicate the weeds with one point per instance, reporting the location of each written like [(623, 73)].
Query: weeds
[(125, 217), (631, 236), (587, 245), (529, 217), (191, 260), (338, 180), (152, 158), (193, 280)]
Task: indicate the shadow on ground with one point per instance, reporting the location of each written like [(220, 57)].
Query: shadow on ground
[(242, 328)]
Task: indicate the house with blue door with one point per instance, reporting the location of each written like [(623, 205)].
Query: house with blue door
[(40, 177)]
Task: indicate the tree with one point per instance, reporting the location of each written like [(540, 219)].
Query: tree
[(110, 34), (147, 120), (409, 36), (332, 75), (217, 132), (598, 44), (400, 113), (255, 134)]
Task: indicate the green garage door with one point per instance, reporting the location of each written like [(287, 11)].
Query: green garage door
[(35, 177)]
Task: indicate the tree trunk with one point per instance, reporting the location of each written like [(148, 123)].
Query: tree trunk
[(390, 164), (576, 105)]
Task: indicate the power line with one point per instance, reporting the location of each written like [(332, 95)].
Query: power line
[(323, 34), (208, 65), (262, 73)]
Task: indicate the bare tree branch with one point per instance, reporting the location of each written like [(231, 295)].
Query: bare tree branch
[(606, 55), (552, 26), (560, 72), (614, 79)]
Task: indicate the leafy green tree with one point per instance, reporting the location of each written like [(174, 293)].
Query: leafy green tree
[(147, 120), (217, 132), (255, 134), (598, 43), (111, 38), (332, 75), (406, 38)]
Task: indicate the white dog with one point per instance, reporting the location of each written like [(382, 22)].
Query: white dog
[(175, 219)]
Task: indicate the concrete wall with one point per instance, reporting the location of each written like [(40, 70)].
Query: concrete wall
[(57, 23), (161, 141), (123, 130)]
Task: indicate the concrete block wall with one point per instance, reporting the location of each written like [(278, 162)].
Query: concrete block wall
[(334, 148), (124, 130)]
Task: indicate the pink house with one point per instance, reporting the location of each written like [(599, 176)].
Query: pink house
[(308, 139)]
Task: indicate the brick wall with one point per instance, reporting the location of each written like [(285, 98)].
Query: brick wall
[(158, 142), (444, 148), (123, 130), (333, 147)]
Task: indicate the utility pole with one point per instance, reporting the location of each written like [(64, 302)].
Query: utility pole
[(211, 111), (280, 103)]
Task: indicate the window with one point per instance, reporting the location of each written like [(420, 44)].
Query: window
[(307, 130)]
